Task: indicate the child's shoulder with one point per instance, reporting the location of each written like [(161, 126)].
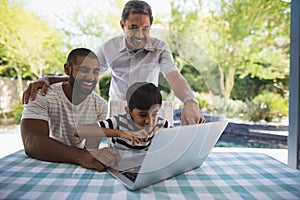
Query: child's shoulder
[(121, 117)]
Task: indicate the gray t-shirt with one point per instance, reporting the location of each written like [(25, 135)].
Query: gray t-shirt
[(63, 116)]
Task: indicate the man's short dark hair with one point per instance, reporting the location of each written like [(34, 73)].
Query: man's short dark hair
[(143, 95), (136, 7), (79, 52)]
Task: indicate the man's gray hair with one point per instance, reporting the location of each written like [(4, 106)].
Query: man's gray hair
[(136, 7)]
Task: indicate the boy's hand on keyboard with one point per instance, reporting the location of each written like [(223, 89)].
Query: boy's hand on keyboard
[(134, 140), (141, 135)]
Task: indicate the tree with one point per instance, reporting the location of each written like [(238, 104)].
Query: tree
[(27, 44), (92, 25), (239, 37)]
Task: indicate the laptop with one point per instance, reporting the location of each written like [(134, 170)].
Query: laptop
[(173, 151)]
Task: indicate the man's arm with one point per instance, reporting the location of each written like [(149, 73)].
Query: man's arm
[(95, 131), (43, 84), (190, 112), (38, 144)]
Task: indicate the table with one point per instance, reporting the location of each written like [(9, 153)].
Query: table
[(224, 175)]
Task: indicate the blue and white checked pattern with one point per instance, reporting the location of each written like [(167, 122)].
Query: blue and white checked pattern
[(222, 176)]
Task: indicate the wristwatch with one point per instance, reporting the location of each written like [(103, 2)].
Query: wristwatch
[(190, 99)]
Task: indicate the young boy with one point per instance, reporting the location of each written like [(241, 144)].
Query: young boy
[(136, 128)]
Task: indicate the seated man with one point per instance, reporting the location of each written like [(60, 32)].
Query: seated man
[(48, 122)]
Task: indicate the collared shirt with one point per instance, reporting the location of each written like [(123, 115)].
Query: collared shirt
[(128, 67)]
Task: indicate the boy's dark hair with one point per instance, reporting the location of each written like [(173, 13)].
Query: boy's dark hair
[(143, 95), (136, 7), (79, 52)]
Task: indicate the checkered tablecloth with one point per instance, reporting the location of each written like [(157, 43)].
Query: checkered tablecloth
[(222, 176)]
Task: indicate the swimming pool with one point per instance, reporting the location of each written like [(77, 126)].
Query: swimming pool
[(254, 136), (233, 140), (248, 135)]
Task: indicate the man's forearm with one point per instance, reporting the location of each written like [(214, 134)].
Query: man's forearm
[(38, 145), (179, 85), (56, 79), (50, 150)]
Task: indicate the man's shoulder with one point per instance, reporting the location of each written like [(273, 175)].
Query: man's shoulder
[(155, 42), (55, 90), (56, 86), (155, 39), (109, 50), (113, 42), (52, 91), (122, 116), (97, 98)]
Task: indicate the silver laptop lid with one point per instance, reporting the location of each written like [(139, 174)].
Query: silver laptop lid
[(193, 142), (177, 150)]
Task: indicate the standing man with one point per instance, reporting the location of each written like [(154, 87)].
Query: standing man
[(134, 57), (48, 122)]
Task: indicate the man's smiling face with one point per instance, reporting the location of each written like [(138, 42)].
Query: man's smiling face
[(136, 29), (85, 75)]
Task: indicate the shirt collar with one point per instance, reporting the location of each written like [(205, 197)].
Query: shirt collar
[(122, 45)]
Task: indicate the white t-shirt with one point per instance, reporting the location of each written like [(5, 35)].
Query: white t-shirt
[(128, 67), (63, 116)]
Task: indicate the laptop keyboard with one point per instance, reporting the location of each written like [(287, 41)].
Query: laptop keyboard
[(132, 173)]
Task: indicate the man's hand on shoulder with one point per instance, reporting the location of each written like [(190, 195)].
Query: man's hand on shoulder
[(31, 90), (43, 84)]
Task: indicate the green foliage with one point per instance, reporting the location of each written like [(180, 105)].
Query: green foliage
[(247, 88), (194, 78), (267, 106), (16, 113), (7, 71), (244, 38), (163, 85), (29, 47), (104, 83), (24, 49), (88, 26), (235, 109), (203, 105), (233, 49)]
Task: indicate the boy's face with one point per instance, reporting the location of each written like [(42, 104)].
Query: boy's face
[(146, 119)]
